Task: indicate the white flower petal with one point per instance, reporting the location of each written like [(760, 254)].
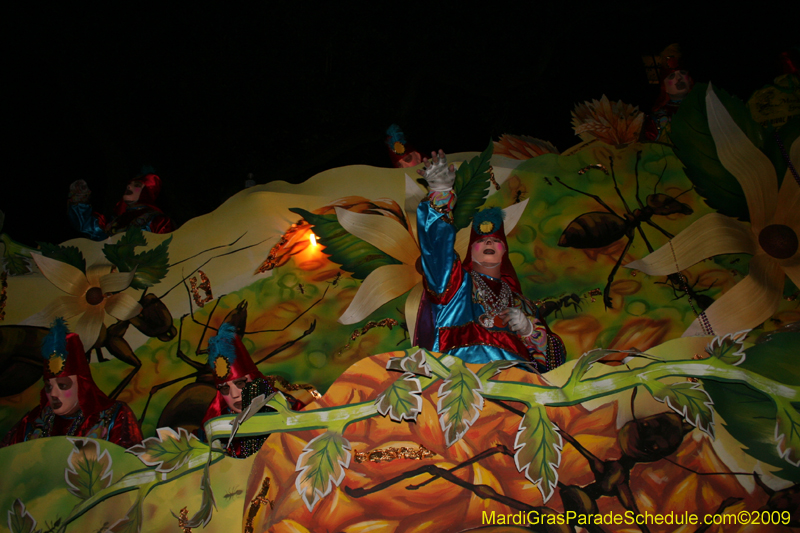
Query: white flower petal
[(95, 272), (63, 306), (116, 282), (713, 234), (66, 277), (462, 242), (748, 164), (382, 285), (412, 309), (89, 325), (122, 307), (752, 301), (793, 272), (513, 214), (385, 233)]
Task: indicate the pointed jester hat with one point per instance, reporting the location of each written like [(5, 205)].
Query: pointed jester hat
[(489, 223)]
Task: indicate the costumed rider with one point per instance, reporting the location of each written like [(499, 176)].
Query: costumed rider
[(675, 85), (71, 404), (479, 312), (136, 208), (238, 381)]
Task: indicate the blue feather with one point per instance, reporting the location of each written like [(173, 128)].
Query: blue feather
[(495, 215), (56, 339), (222, 344)]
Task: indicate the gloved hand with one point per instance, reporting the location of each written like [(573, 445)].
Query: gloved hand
[(439, 176), (515, 319), (79, 192)]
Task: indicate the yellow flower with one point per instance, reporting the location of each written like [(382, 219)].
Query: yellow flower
[(771, 237), (615, 123), (89, 295)]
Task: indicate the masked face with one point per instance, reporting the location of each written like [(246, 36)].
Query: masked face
[(232, 392), (488, 252), (678, 84), (133, 191), (62, 394)]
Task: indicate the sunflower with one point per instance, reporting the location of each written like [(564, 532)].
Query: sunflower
[(771, 237), (89, 295)]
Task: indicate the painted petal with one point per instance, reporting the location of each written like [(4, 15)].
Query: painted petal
[(89, 325), (794, 273), (412, 309), (95, 272), (714, 234), (382, 285), (512, 215), (63, 306), (752, 301), (462, 242), (116, 282), (122, 307), (787, 211), (385, 233), (66, 277), (748, 164)]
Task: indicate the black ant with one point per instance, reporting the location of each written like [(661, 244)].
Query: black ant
[(335, 281), (599, 229), (676, 282), (555, 306), (232, 493), (548, 181), (518, 196), (302, 289), (52, 527)]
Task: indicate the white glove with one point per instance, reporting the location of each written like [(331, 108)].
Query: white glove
[(439, 176), (515, 319)]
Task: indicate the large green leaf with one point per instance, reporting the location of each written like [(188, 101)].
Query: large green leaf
[(787, 432), (538, 446), (20, 520), (402, 400), (89, 471), (691, 402), (169, 450), (321, 466), (16, 258), (151, 265), (778, 359), (460, 402), (355, 255), (471, 186), (70, 255), (695, 147)]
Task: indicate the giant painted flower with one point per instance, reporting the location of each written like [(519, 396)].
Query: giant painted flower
[(89, 295), (771, 237), (615, 123), (389, 236)]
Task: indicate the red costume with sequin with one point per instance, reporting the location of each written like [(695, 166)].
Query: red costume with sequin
[(99, 417)]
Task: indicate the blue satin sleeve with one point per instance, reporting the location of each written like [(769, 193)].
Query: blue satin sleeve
[(436, 240), (83, 219)]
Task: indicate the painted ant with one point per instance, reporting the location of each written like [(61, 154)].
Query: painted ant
[(552, 305), (598, 229), (335, 281), (232, 493)]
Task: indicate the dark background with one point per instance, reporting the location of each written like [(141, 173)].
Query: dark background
[(207, 94)]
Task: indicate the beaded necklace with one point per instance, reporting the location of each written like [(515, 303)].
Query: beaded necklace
[(49, 418), (493, 303)]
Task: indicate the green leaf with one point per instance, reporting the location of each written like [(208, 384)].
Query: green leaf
[(729, 348), (691, 402), (321, 466), (489, 370), (131, 522), (696, 149), (151, 265), (402, 400), (169, 450), (16, 257), (203, 516), (460, 402), (787, 432), (538, 446), (778, 359), (414, 363), (70, 255), (472, 186), (750, 416), (89, 471), (355, 255), (20, 520)]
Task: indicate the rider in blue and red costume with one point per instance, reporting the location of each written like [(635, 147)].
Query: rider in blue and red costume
[(136, 208), (70, 402), (479, 311)]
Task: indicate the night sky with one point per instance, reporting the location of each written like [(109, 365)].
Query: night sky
[(206, 95)]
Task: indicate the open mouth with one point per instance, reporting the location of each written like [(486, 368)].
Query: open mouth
[(55, 403), (489, 251), (237, 405), (680, 85)]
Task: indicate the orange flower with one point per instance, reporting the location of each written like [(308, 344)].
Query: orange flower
[(522, 147), (615, 123)]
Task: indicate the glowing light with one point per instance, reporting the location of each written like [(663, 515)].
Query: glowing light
[(313, 239)]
